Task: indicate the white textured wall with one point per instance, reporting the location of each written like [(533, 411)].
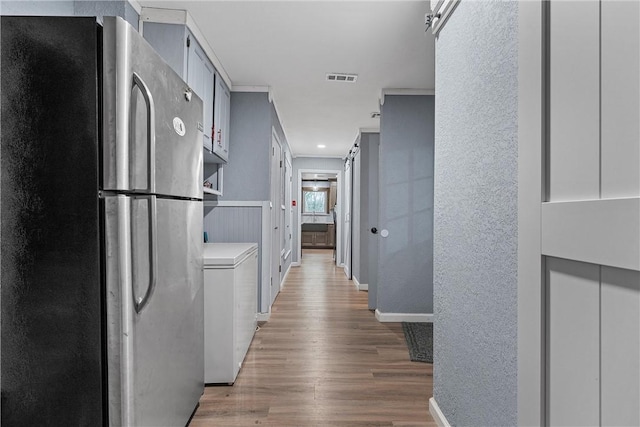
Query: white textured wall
[(475, 215)]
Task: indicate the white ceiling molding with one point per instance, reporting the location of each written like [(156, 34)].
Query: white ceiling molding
[(441, 10), (164, 16), (250, 88), (182, 17), (275, 107), (365, 130), (134, 4), (369, 130), (385, 92)]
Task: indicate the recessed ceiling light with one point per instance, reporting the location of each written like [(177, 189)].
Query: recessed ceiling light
[(321, 146)]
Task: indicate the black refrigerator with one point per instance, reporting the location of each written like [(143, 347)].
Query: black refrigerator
[(101, 228)]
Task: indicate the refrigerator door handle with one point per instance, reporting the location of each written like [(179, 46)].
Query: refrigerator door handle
[(141, 302), (151, 130)]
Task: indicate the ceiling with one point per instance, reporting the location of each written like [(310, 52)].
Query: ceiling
[(290, 46)]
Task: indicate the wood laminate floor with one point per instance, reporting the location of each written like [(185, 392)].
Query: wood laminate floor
[(323, 360)]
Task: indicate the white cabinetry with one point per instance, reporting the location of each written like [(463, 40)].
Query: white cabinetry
[(230, 307)]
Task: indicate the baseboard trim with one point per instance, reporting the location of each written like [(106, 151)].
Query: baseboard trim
[(403, 317), (360, 286), (437, 414), (296, 264), (284, 278), (263, 317)]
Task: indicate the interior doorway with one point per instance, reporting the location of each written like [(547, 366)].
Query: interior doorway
[(320, 219), (275, 202)]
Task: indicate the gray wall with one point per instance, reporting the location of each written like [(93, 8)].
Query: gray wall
[(405, 267), (320, 163), (475, 217), (365, 209), (242, 224), (72, 8), (246, 176)]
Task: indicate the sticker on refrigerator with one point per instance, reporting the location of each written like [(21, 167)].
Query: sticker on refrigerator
[(178, 126)]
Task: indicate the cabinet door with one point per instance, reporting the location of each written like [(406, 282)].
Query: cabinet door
[(200, 78), (226, 119), (307, 238), (207, 101), (322, 238), (221, 118), (331, 241)]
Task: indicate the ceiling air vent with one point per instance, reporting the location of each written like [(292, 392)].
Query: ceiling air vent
[(339, 77)]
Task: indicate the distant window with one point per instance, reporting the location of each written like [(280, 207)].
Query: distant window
[(315, 201)]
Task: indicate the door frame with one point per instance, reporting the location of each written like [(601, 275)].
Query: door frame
[(531, 189), (286, 208), (275, 205), (348, 231), (339, 218)]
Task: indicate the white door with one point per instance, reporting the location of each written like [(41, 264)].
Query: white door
[(286, 212), (347, 218), (275, 216), (591, 213)]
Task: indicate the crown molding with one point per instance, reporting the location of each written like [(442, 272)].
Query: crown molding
[(403, 92)]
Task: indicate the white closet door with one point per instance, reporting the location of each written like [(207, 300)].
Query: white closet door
[(591, 217), (620, 178)]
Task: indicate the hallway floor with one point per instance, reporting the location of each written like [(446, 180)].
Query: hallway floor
[(323, 360)]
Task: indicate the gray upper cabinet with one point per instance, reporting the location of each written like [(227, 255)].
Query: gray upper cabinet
[(221, 110), (180, 49), (200, 77)]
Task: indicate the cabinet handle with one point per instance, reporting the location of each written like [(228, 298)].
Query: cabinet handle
[(219, 136)]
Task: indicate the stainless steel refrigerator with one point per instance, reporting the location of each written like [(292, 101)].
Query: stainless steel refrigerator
[(101, 228)]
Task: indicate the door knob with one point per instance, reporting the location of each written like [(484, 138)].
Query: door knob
[(374, 230)]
